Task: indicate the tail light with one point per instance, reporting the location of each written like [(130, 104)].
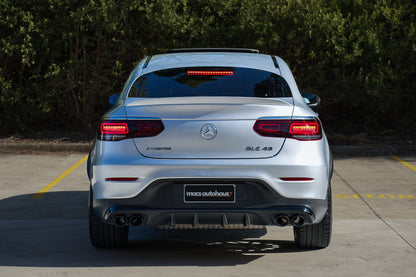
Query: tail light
[(115, 130), (300, 129)]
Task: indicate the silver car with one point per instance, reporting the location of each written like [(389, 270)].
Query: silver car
[(210, 139)]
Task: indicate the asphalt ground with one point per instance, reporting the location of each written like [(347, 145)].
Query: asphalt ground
[(44, 228)]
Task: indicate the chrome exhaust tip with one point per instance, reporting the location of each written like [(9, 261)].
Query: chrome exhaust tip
[(136, 220), (282, 220), (298, 220), (120, 220)]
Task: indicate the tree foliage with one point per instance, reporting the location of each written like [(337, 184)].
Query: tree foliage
[(61, 59)]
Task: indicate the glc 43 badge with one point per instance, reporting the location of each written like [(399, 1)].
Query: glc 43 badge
[(259, 148)]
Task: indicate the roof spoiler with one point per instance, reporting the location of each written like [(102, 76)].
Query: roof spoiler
[(235, 50)]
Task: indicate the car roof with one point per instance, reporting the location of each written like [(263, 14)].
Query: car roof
[(205, 58)]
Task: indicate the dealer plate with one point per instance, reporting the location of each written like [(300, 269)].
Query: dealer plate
[(201, 193)]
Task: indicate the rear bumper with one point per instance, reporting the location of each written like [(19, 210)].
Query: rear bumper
[(162, 204), (309, 159)]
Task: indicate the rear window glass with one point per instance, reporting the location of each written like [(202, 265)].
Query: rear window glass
[(210, 81)]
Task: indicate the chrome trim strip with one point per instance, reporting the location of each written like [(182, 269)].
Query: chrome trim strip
[(142, 118), (288, 118), (132, 118), (304, 117), (275, 118)]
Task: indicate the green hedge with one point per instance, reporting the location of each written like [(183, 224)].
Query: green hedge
[(61, 59)]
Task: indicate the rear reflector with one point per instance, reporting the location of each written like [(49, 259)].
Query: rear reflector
[(115, 130), (210, 72), (296, 179), (122, 179), (300, 129)]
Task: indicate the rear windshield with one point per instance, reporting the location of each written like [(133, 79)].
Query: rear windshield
[(210, 81)]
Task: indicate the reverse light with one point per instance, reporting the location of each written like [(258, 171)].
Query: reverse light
[(300, 129), (115, 130), (210, 72)]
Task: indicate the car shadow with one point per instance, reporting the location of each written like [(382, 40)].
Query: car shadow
[(52, 231)]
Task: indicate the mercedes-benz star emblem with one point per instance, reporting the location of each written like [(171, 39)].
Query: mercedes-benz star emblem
[(208, 131)]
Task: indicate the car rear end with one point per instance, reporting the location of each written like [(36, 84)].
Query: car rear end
[(210, 140)]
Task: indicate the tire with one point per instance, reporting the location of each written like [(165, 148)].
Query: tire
[(315, 236), (103, 235)]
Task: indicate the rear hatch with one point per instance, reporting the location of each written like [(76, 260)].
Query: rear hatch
[(208, 127)]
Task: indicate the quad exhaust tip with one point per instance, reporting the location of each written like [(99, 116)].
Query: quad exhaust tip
[(283, 220), (136, 220), (298, 220), (122, 220)]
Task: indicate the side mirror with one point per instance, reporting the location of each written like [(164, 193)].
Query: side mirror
[(312, 100), (113, 99)]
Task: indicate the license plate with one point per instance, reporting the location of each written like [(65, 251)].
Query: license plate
[(195, 193)]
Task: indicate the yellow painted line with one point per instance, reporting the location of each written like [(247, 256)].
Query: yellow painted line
[(57, 180), (403, 162), (375, 196)]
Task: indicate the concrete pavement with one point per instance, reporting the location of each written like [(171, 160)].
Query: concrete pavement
[(373, 229)]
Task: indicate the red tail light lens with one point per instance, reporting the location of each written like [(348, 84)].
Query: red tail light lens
[(272, 128), (303, 129), (148, 128), (115, 130)]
